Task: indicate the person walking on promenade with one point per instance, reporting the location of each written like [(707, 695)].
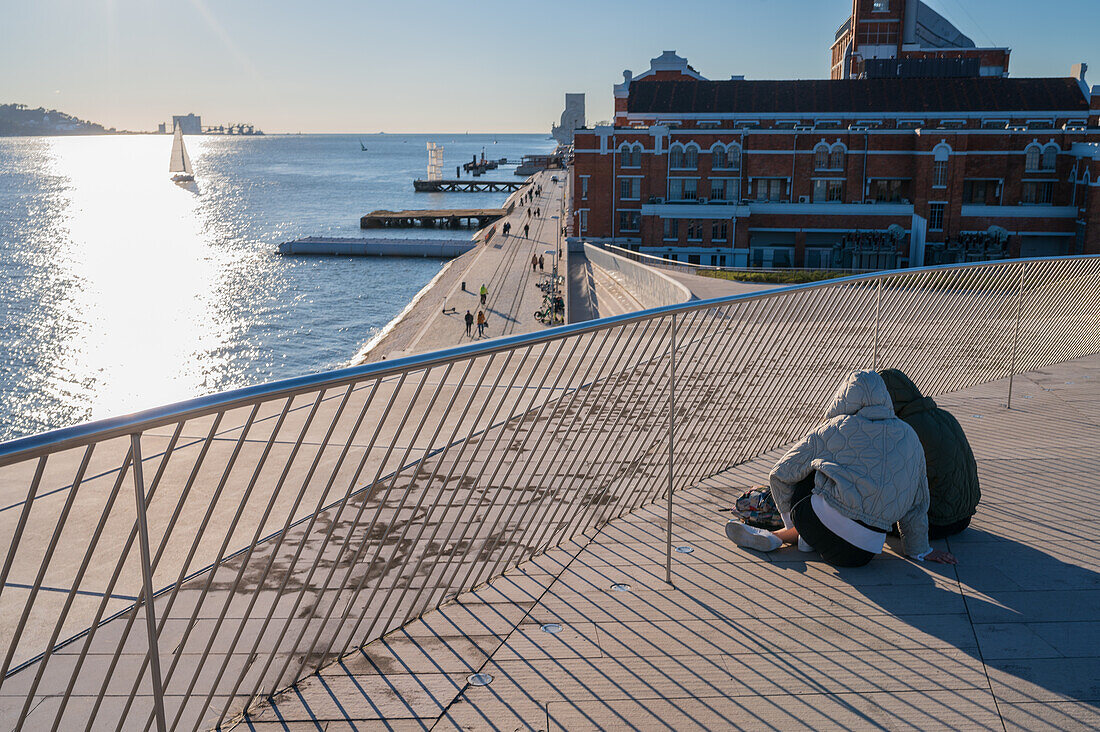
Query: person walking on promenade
[(542, 263), (469, 323), (846, 483), (534, 262), (526, 231), (482, 323), (484, 293), (953, 489)]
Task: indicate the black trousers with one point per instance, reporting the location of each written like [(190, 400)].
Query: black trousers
[(833, 549)]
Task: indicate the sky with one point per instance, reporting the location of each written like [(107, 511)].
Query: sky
[(442, 65)]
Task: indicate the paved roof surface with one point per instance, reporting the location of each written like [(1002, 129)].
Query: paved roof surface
[(1009, 639), (872, 96)]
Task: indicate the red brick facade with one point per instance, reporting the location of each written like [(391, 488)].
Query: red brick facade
[(752, 183)]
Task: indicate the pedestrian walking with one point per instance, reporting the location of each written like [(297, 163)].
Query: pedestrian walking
[(526, 231), (482, 323), (542, 263), (484, 293), (538, 212), (469, 323), (534, 262)]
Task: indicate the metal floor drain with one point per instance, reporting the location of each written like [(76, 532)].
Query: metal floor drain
[(553, 628), (479, 679), (621, 587), (685, 549)]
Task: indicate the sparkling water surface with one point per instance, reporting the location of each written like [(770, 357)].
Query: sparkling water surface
[(120, 290)]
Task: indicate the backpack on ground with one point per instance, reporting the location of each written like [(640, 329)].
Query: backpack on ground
[(756, 507)]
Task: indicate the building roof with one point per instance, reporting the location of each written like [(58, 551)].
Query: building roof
[(857, 96)]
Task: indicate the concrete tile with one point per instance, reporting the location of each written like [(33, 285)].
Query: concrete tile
[(479, 708), (529, 641), (1007, 606), (364, 697), (1056, 717), (909, 711), (400, 653), (1045, 679)]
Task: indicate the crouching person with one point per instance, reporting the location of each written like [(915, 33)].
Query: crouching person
[(952, 471), (848, 481)]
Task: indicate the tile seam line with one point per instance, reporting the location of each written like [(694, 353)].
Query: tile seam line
[(526, 615)]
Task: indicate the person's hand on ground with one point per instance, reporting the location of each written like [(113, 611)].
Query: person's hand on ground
[(940, 557)]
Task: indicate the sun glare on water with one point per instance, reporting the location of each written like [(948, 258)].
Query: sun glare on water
[(143, 275)]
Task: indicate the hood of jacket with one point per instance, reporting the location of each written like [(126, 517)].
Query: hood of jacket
[(904, 394), (863, 393)]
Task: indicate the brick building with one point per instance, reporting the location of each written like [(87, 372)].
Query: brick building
[(881, 35), (853, 173)]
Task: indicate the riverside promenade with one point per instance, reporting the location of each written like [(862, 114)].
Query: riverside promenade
[(502, 264), (589, 636)]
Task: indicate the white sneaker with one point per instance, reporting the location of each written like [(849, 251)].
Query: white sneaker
[(803, 546), (751, 537)]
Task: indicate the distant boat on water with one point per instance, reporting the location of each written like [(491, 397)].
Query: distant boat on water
[(361, 145), (179, 162)]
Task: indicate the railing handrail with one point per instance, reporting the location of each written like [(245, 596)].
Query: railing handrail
[(645, 258), (112, 427)]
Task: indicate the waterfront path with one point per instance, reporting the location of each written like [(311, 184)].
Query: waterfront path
[(1007, 640), (503, 264)]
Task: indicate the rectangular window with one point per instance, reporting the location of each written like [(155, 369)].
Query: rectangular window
[(828, 191), (939, 174), (584, 186), (695, 230), (935, 216), (584, 221), (880, 6), (725, 189), (672, 229), (878, 34), (683, 189), (770, 189), (719, 230), (889, 190), (630, 220), (1038, 193), (693, 259), (981, 192), (630, 189)]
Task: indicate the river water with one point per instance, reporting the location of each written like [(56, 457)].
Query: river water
[(120, 290)]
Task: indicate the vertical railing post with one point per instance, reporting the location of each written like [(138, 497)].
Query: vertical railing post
[(1016, 334), (671, 443), (147, 585), (878, 320)]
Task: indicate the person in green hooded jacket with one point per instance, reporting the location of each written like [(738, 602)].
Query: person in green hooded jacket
[(952, 472)]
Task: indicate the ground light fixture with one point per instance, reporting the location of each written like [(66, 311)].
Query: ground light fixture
[(479, 679)]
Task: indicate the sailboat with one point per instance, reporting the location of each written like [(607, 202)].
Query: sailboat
[(180, 162), (364, 147)]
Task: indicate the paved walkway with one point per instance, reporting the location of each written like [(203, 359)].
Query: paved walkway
[(1009, 639), (503, 264)]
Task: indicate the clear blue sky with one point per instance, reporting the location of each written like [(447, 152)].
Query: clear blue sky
[(442, 65)]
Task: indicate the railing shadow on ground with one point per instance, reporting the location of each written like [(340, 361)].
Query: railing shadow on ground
[(271, 551)]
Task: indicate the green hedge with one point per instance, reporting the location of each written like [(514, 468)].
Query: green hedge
[(792, 277)]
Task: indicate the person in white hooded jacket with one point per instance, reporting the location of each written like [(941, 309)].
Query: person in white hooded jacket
[(842, 487)]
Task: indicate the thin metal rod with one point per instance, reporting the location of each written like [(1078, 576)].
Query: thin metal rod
[(878, 321), (1016, 332), (147, 584), (671, 444)]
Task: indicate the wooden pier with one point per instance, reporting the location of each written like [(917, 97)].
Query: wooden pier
[(432, 218), (467, 186)]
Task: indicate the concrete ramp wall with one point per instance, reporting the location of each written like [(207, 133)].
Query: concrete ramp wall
[(650, 286)]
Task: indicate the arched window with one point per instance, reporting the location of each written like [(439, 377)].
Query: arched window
[(733, 156), (1050, 157), (1032, 159), (691, 157), (821, 156), (676, 157), (718, 157), (939, 165), (836, 157)]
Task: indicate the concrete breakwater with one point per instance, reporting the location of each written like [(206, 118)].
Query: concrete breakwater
[(437, 248)]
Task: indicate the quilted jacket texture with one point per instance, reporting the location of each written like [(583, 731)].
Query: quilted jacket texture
[(870, 464), (952, 472)]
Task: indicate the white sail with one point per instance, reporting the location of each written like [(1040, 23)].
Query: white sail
[(179, 161)]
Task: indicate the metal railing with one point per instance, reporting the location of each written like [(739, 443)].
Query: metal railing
[(171, 568), (676, 265)]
